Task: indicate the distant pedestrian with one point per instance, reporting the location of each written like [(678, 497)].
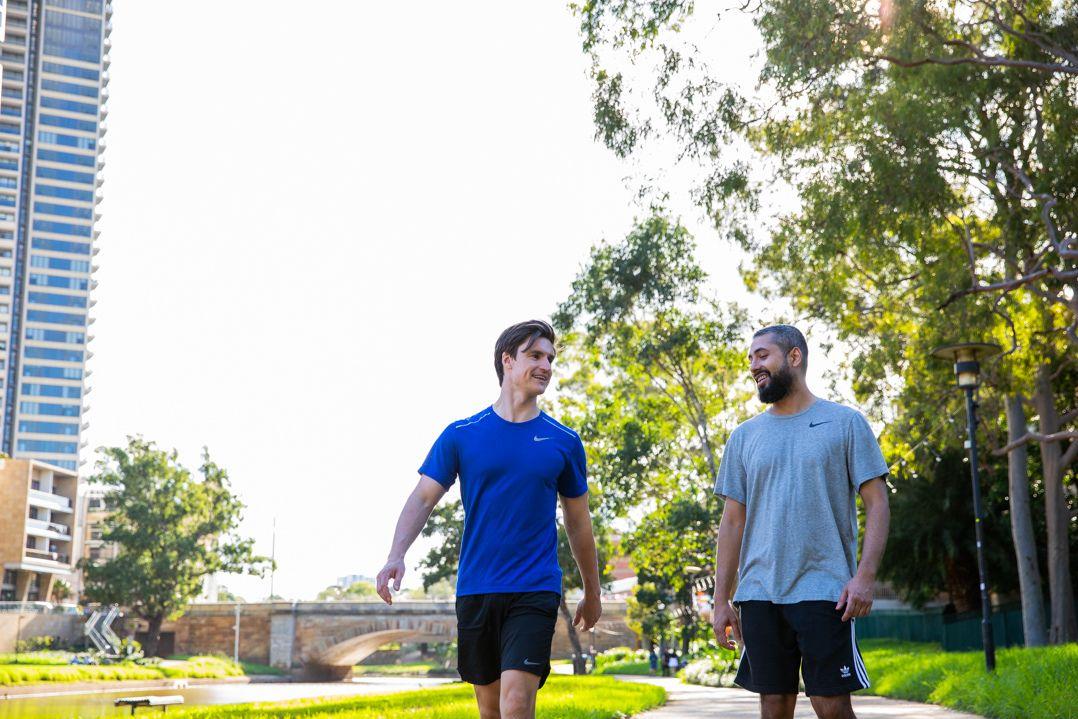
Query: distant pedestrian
[(673, 663), (653, 661)]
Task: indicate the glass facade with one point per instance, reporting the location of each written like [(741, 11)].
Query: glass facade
[(54, 58)]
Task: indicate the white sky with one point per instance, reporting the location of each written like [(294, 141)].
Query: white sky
[(316, 224)]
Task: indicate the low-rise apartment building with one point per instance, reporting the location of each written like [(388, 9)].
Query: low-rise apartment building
[(38, 540)]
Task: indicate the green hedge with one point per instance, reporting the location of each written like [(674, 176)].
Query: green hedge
[(561, 698), (1028, 683)]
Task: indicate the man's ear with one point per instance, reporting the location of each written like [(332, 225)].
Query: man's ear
[(795, 357), (507, 362)]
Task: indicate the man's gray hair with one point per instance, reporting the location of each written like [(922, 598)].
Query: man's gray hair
[(787, 337)]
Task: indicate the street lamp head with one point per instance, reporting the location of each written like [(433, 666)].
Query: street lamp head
[(966, 358)]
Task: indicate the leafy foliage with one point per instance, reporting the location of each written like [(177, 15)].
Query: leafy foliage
[(173, 531)]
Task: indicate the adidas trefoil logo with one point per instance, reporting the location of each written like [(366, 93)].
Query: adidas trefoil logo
[(845, 672)]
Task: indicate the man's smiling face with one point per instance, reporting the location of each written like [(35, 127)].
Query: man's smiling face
[(531, 369), (770, 369)]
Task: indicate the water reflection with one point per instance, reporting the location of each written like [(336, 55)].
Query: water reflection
[(99, 704)]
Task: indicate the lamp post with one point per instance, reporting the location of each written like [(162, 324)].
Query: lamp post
[(967, 369)]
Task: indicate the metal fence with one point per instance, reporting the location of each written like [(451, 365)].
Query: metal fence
[(955, 632)]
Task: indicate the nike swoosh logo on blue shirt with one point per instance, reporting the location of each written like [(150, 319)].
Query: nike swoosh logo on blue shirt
[(817, 424), (536, 438)]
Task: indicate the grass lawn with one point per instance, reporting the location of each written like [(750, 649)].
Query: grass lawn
[(1028, 683), (410, 669), (42, 667), (561, 698)]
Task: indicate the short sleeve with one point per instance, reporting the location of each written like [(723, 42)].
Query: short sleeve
[(442, 463), (864, 460), (733, 479), (573, 480)]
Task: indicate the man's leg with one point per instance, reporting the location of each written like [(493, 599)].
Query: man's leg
[(777, 706), (486, 695), (517, 699), (833, 707)]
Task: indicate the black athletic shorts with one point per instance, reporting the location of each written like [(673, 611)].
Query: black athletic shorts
[(780, 638), (496, 632)]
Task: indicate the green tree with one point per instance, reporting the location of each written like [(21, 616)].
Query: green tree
[(173, 530), (356, 590), (446, 523), (931, 147), (656, 380)]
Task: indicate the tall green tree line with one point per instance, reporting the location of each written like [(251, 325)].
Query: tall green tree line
[(934, 159)]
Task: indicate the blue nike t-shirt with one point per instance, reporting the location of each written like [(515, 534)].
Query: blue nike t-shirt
[(510, 476)]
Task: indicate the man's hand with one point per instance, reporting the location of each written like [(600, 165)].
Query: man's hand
[(724, 615), (588, 611), (394, 570), (857, 597)]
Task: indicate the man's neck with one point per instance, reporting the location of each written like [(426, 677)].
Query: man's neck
[(798, 400), (515, 406)]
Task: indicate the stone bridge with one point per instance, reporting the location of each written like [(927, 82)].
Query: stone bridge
[(324, 640)]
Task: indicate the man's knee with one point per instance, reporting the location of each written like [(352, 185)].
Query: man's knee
[(518, 695), (777, 706), (837, 707), (487, 699), (517, 702)]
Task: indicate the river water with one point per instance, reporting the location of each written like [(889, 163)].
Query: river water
[(100, 704)]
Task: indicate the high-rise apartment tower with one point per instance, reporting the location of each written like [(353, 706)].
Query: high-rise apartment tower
[(54, 60)]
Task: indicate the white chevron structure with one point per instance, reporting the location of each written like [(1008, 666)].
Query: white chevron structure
[(99, 630)]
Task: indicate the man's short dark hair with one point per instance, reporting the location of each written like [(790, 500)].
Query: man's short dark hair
[(522, 333), (787, 337)]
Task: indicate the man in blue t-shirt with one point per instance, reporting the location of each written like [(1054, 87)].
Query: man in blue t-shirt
[(514, 462)]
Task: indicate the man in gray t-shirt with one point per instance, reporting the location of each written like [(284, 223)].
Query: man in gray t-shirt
[(790, 477)]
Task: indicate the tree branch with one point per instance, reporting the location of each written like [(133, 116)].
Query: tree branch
[(1038, 437)]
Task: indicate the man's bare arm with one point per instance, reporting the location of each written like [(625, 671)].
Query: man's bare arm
[(858, 594), (727, 556), (577, 518), (414, 515)]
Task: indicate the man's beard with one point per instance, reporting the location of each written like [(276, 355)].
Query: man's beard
[(778, 386)]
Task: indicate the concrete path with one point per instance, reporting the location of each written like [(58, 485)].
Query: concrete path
[(688, 701)]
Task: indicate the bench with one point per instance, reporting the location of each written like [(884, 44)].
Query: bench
[(164, 701)]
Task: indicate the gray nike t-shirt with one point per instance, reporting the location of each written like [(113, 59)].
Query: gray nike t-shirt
[(798, 477)]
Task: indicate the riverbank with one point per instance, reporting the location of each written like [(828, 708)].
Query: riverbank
[(56, 668), (57, 689)]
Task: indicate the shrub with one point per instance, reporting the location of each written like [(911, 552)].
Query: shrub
[(716, 669)]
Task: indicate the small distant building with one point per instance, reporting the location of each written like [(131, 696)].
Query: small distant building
[(38, 541), (350, 579)]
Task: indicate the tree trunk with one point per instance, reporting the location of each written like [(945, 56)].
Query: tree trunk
[(1061, 594), (1025, 545), (579, 666), (153, 635)]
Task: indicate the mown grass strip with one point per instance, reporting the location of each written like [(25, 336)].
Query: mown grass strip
[(55, 668), (561, 698), (1037, 683)]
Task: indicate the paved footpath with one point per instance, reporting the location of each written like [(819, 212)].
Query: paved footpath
[(688, 701)]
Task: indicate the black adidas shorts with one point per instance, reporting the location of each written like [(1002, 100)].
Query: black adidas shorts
[(780, 638), (496, 632)]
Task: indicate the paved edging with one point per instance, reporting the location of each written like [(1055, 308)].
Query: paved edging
[(690, 701)]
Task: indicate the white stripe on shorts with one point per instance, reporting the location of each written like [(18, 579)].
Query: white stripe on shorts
[(858, 662)]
